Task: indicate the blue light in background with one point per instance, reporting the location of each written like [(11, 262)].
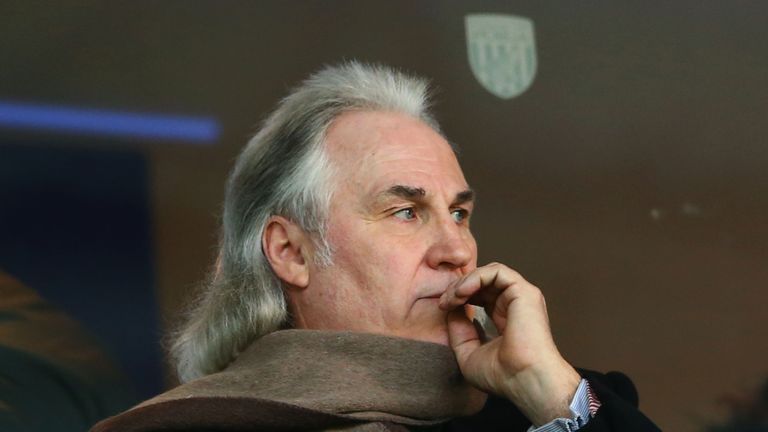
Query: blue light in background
[(200, 130)]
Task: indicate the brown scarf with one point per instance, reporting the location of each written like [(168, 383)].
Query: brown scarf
[(308, 379)]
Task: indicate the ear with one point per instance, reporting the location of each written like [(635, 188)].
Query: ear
[(285, 245)]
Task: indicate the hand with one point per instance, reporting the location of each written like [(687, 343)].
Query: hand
[(523, 363)]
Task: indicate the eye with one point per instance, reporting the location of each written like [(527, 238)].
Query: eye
[(406, 214), (459, 215)]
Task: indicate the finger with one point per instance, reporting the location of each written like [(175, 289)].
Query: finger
[(462, 335), (480, 287), (461, 291)]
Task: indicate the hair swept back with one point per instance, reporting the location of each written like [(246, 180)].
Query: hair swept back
[(283, 170)]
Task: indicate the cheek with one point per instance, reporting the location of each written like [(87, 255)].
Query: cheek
[(354, 256), (400, 259), (356, 242)]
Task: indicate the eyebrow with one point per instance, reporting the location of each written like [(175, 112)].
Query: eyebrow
[(403, 191), (464, 197), (417, 194)]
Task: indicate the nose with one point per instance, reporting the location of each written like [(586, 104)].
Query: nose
[(453, 246)]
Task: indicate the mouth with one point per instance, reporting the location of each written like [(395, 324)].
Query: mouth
[(435, 288), (435, 296), (435, 292)]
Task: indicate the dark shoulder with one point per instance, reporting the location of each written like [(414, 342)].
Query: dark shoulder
[(614, 382)]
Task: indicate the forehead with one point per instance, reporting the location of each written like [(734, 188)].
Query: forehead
[(374, 149)]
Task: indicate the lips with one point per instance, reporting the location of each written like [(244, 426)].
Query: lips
[(435, 294)]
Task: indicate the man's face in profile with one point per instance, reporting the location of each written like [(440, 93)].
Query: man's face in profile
[(399, 227)]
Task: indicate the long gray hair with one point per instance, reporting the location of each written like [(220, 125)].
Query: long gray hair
[(283, 171)]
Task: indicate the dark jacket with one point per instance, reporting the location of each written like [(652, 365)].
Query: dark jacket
[(619, 411)]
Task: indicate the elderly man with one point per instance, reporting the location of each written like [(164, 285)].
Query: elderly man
[(345, 280)]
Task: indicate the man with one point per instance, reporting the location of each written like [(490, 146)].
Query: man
[(339, 300)]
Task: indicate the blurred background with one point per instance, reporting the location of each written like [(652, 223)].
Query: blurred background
[(628, 182)]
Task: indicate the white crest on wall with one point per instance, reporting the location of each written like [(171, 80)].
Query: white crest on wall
[(502, 52)]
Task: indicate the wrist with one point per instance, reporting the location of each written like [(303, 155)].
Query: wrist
[(544, 392)]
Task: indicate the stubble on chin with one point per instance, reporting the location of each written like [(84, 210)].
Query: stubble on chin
[(428, 327)]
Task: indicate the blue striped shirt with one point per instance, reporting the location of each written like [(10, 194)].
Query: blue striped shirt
[(583, 407)]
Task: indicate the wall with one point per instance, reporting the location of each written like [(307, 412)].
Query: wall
[(628, 182)]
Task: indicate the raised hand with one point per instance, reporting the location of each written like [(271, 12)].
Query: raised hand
[(523, 363)]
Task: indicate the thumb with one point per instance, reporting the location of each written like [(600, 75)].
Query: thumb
[(462, 335)]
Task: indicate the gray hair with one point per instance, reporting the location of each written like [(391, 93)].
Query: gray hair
[(283, 170)]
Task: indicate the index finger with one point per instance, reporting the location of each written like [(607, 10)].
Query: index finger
[(480, 287)]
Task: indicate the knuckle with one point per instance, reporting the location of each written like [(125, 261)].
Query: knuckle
[(538, 295), (530, 290), (499, 267), (510, 272)]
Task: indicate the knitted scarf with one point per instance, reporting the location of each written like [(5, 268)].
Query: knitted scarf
[(308, 379)]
